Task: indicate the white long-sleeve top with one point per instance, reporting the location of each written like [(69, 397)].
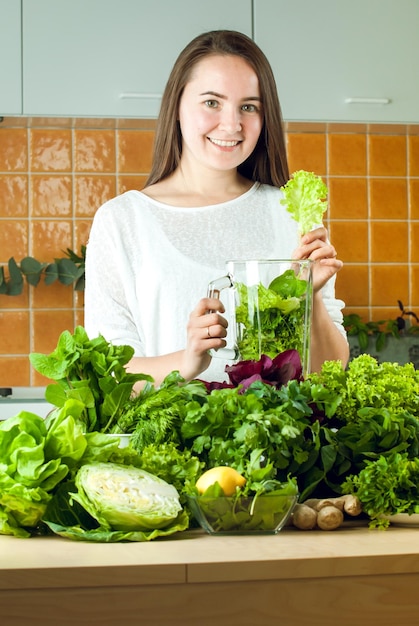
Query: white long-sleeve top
[(148, 264)]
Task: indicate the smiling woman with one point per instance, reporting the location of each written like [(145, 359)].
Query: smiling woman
[(213, 194)]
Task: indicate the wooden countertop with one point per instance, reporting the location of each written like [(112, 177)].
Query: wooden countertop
[(194, 556), (193, 578)]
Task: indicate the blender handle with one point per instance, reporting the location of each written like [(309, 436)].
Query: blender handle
[(214, 289), (218, 285)]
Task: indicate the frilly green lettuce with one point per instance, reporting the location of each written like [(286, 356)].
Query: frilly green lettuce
[(27, 474), (305, 197)]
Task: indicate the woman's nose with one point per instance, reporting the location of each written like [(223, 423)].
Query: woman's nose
[(230, 121)]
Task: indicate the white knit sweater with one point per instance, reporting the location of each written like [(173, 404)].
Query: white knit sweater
[(148, 264)]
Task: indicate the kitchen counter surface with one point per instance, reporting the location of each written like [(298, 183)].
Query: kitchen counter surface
[(349, 576)]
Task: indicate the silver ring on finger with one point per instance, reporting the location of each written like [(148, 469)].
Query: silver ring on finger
[(208, 332)]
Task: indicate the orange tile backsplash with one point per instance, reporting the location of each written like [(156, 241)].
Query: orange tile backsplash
[(94, 150), (414, 198), (388, 198), (50, 150), (387, 155), (347, 154), (56, 172)]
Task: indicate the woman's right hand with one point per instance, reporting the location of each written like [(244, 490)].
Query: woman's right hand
[(206, 330)]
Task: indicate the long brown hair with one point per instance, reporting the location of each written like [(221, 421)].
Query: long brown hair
[(268, 161)]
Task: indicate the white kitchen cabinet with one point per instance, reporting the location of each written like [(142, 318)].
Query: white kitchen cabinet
[(11, 58), (355, 60), (109, 58)]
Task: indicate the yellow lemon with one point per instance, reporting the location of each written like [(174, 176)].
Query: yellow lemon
[(227, 477)]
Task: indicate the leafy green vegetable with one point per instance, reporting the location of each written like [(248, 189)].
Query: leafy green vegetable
[(38, 456), (64, 516), (92, 372), (116, 503), (28, 475), (230, 426), (305, 198), (367, 383), (273, 319), (158, 409), (387, 486), (177, 467), (126, 498)]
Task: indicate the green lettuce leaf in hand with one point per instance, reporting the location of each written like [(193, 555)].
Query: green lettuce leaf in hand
[(305, 197)]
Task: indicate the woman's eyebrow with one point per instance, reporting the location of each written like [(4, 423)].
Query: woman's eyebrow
[(212, 93), (220, 95)]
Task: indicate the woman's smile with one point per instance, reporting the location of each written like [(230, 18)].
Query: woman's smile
[(223, 143)]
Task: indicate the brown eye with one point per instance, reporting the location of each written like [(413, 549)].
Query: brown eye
[(250, 108), (212, 104)]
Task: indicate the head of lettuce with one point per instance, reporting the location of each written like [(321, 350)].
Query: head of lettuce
[(113, 502), (126, 498)]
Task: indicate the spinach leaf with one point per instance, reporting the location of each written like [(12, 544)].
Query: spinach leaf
[(91, 371)]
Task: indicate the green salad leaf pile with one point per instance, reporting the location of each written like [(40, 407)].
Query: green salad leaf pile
[(28, 474), (320, 431), (273, 319), (367, 383), (338, 430)]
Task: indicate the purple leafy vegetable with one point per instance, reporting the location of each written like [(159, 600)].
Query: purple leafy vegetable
[(278, 371)]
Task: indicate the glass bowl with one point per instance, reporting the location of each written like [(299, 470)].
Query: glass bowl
[(124, 438), (263, 514)]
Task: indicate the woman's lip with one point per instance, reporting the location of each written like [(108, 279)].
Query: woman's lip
[(223, 143)]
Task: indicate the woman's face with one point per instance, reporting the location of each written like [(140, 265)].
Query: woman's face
[(220, 113)]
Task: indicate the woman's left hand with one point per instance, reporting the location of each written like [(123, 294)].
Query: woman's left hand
[(315, 246)]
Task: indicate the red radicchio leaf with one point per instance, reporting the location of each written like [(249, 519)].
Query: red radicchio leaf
[(284, 367), (216, 385), (278, 371), (288, 363), (243, 370)]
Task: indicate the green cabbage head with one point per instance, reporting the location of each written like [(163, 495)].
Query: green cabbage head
[(123, 497)]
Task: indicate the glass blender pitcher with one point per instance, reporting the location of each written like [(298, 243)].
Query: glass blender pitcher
[(269, 304)]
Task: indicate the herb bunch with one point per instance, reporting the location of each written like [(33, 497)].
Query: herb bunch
[(90, 371)]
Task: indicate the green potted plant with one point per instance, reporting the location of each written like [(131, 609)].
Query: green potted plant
[(395, 339)]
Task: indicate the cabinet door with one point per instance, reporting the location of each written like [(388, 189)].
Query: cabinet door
[(11, 58), (112, 58), (355, 60)]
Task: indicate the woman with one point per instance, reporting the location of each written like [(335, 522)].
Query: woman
[(212, 195)]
